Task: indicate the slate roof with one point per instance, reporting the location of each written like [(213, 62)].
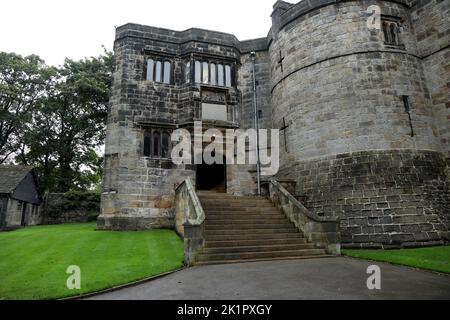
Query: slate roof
[(11, 176)]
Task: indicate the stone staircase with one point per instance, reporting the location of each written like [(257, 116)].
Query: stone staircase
[(239, 229)]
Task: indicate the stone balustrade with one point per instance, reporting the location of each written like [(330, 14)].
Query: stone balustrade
[(318, 230), (189, 220)]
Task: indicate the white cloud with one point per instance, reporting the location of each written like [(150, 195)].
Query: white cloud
[(67, 28)]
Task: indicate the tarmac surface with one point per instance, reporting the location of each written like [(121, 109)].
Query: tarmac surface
[(322, 278)]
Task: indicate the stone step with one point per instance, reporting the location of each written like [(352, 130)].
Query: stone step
[(241, 209), (235, 236), (253, 242), (236, 203), (206, 196), (262, 259), (253, 226), (260, 248), (235, 200), (241, 229), (230, 232), (258, 255), (242, 220), (243, 216)]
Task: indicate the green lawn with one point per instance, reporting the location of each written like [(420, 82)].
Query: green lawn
[(432, 258), (33, 260)]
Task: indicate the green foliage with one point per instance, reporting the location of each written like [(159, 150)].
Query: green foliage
[(25, 83), (34, 260), (62, 119), (87, 200), (432, 258)]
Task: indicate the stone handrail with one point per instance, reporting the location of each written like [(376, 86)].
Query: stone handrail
[(317, 230), (189, 220)]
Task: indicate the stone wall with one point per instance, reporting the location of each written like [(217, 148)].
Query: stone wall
[(57, 209), (334, 85), (245, 85), (432, 31), (138, 191), (350, 146), (341, 88), (384, 198)]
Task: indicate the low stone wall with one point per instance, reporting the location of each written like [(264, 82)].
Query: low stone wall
[(70, 207)]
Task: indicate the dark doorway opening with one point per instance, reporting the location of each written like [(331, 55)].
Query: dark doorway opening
[(3, 208), (24, 213), (211, 177)]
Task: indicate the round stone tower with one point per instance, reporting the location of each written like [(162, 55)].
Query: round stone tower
[(362, 137)]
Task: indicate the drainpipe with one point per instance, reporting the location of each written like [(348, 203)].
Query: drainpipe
[(258, 164)]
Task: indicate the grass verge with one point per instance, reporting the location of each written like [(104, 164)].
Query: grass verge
[(34, 260), (431, 258)]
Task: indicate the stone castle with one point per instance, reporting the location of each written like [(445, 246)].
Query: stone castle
[(363, 113)]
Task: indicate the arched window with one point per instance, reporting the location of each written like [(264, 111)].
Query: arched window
[(147, 144), (150, 67), (213, 74), (220, 79), (198, 71), (227, 76), (165, 145), (187, 72), (166, 72), (156, 144)]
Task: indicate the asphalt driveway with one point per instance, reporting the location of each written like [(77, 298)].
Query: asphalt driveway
[(324, 278)]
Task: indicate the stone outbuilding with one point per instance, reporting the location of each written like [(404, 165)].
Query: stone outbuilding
[(20, 199)]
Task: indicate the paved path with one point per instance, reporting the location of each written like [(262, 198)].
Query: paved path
[(326, 278)]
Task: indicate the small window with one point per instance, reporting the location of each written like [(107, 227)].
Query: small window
[(391, 31), (213, 74), (198, 71), (19, 205), (385, 32), (167, 72), (205, 72), (228, 76), (147, 144), (165, 145), (156, 144), (187, 72), (150, 67), (220, 75), (158, 71)]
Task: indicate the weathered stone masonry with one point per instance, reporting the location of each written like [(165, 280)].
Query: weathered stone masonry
[(366, 120), (350, 141), (139, 190)]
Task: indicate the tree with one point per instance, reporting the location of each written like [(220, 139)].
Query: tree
[(24, 82), (69, 126)]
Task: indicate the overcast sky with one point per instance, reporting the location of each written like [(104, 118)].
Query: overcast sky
[(55, 29)]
